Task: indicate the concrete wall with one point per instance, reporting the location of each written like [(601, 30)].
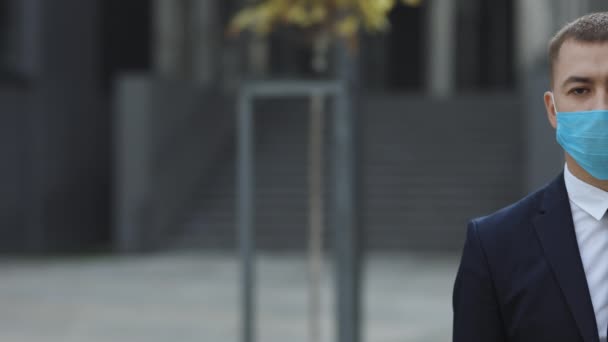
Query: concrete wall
[(13, 199), (427, 167), (59, 133), (168, 134)]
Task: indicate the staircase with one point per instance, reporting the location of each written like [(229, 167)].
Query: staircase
[(427, 168)]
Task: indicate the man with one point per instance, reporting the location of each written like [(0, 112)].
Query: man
[(538, 269)]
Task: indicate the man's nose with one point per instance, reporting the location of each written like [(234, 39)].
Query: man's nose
[(601, 102)]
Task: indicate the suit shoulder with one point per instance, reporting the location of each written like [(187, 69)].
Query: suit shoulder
[(512, 217)]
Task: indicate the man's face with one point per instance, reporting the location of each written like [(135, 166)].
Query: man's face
[(580, 79)]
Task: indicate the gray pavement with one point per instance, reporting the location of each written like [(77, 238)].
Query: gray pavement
[(194, 297)]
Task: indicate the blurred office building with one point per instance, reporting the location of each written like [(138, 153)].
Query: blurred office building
[(118, 123)]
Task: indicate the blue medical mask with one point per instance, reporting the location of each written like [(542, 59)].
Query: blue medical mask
[(584, 135)]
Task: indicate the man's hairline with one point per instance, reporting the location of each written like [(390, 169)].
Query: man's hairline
[(553, 62)]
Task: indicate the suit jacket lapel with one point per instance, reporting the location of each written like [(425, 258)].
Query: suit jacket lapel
[(555, 231)]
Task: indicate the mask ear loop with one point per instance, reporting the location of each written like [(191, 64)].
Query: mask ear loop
[(553, 100)]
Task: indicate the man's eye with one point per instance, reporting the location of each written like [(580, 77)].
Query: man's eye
[(579, 91)]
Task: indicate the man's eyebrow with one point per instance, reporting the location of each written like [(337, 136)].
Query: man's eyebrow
[(576, 79)]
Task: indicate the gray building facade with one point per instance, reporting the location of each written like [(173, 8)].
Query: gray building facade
[(118, 122)]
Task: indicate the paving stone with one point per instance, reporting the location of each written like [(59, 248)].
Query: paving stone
[(194, 297)]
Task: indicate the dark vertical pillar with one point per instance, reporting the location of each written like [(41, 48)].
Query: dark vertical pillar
[(345, 204), (126, 38), (69, 136), (12, 196), (467, 54), (496, 44), (405, 58), (484, 59)]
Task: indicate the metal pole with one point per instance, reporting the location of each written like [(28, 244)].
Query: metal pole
[(346, 174), (345, 225), (316, 203), (346, 239), (245, 211)]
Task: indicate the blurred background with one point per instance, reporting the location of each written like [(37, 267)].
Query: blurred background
[(118, 128)]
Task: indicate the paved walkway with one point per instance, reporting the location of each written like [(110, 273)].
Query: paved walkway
[(194, 297)]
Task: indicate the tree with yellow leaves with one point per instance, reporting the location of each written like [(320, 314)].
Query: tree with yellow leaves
[(325, 19), (340, 18)]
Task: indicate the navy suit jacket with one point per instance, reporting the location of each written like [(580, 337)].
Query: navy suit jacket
[(521, 277)]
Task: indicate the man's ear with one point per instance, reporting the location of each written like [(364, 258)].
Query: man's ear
[(550, 108)]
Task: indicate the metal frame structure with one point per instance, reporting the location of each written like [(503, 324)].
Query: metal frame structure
[(346, 251)]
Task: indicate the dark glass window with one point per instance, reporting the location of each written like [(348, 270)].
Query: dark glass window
[(6, 44), (483, 56), (11, 40), (485, 59), (126, 38)]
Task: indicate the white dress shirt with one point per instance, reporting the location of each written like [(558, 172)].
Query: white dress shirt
[(588, 205)]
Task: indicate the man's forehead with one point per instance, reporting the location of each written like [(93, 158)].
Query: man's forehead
[(582, 59), (572, 48)]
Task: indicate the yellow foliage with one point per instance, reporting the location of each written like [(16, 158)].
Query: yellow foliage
[(411, 2), (348, 26), (344, 18)]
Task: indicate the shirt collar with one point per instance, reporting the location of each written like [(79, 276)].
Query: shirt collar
[(592, 200)]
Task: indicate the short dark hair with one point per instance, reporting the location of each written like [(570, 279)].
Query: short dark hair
[(590, 28)]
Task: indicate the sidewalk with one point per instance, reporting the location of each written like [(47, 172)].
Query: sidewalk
[(194, 297)]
